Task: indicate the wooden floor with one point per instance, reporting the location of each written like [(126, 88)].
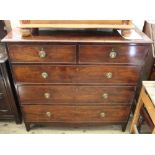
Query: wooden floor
[(9, 127)]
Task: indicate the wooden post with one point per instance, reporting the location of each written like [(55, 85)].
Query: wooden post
[(137, 111)]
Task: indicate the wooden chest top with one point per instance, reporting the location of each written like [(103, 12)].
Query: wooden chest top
[(85, 36)]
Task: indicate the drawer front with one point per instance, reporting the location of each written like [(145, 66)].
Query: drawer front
[(76, 74), (43, 53), (76, 114), (112, 54), (75, 94)]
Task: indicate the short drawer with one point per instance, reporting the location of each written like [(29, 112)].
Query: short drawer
[(75, 94), (121, 54), (75, 114), (76, 74), (42, 53)]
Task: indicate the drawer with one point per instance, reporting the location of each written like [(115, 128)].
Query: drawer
[(42, 53), (76, 74), (75, 114), (49, 94), (122, 54)]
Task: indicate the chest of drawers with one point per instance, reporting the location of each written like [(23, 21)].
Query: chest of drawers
[(76, 78)]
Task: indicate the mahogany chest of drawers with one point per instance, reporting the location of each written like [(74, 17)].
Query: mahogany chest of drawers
[(76, 77)]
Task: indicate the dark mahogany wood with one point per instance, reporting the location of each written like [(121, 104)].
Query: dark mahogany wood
[(77, 63), (76, 74), (96, 54), (53, 53), (64, 94), (38, 113)]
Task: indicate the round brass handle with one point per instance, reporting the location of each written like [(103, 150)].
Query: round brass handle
[(47, 95), (48, 114), (42, 53), (109, 75), (102, 114), (113, 54), (105, 95), (44, 75)]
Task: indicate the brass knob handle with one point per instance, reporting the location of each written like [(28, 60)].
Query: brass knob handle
[(113, 54), (42, 53), (44, 75), (102, 114), (109, 75), (47, 95), (48, 114), (105, 95)]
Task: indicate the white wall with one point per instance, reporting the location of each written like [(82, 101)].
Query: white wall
[(139, 23)]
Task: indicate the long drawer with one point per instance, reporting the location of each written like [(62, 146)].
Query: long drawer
[(121, 54), (42, 53), (76, 74), (75, 114), (49, 94)]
